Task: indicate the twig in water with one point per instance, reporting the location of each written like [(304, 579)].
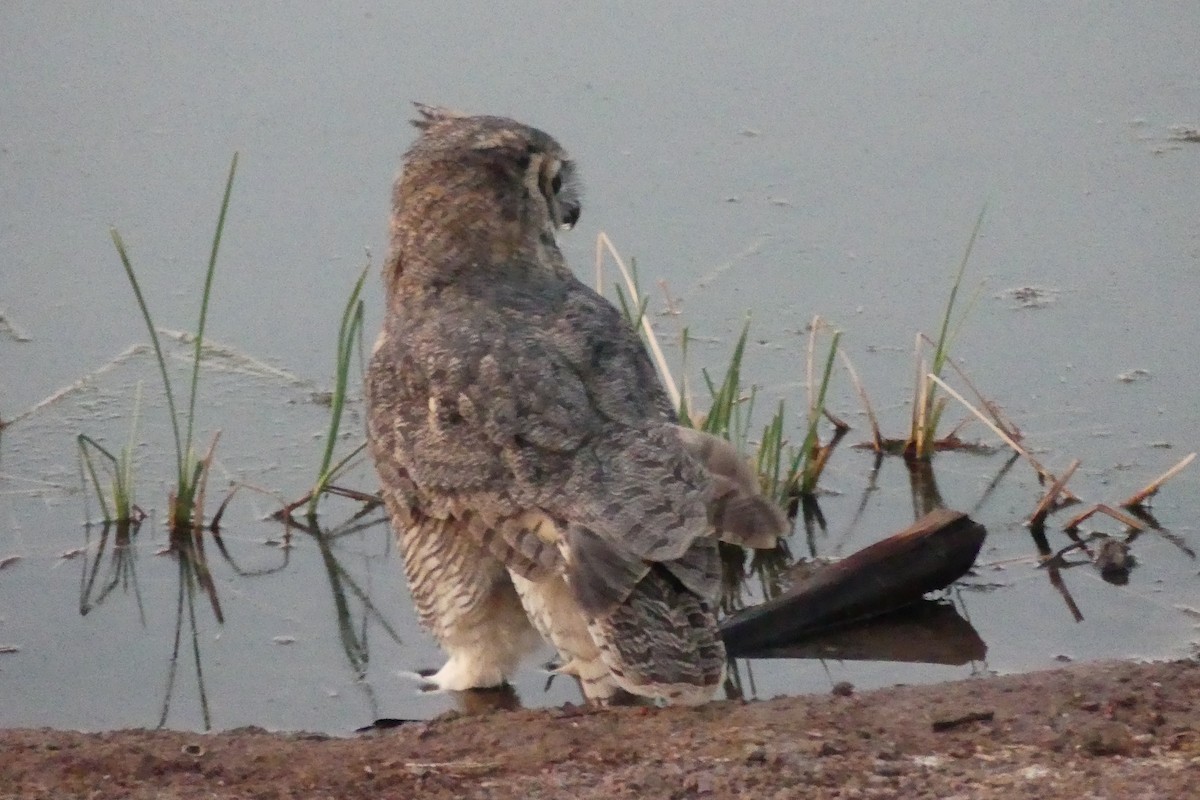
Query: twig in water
[(876, 436), (1152, 488), (1003, 422), (1101, 508), (1044, 473), (1048, 500)]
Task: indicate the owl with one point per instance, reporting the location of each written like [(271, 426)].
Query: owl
[(530, 460)]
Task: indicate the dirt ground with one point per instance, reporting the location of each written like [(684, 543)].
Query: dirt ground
[(1116, 730)]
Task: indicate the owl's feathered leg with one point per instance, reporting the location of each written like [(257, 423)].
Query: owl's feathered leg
[(464, 597), (557, 616)]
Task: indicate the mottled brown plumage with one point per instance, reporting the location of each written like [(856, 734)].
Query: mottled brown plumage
[(529, 457)]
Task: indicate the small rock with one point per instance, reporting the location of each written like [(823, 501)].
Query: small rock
[(1030, 296), (830, 749), (1113, 557), (843, 689), (888, 752), (1106, 739), (1134, 375), (949, 723)]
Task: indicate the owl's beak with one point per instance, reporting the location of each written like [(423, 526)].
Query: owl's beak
[(570, 215)]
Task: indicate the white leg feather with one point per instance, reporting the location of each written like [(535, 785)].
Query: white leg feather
[(555, 614)]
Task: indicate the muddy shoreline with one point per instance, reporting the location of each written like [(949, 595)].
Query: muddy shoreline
[(1112, 729)]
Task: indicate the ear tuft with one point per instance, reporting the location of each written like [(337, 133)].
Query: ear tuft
[(431, 115)]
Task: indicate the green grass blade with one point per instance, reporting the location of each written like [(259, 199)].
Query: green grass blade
[(337, 468), (158, 353), (208, 282), (124, 492), (685, 416), (809, 479), (726, 395), (941, 352), (349, 332), (942, 349), (84, 441), (769, 458)]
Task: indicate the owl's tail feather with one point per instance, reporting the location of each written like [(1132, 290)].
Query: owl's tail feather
[(662, 642)]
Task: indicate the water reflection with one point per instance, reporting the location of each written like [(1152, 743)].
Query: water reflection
[(346, 592), (1110, 554), (110, 564), (927, 632), (122, 566), (938, 632), (187, 548)]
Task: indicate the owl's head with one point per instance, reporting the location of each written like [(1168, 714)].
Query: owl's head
[(476, 195), (520, 163)]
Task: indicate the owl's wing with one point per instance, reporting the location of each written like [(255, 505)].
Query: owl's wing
[(737, 509), (503, 413), (438, 467)]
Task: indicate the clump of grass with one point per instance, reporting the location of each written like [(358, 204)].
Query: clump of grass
[(118, 506), (183, 511), (927, 406), (349, 335), (786, 472)]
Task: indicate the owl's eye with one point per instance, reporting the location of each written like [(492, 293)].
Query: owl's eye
[(556, 183)]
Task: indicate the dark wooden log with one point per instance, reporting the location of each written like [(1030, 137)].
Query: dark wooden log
[(928, 555)]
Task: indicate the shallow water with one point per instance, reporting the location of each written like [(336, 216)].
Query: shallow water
[(824, 160)]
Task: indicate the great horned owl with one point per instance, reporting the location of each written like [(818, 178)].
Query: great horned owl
[(529, 457)]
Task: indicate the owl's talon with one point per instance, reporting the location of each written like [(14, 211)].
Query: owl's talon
[(570, 668), (420, 677)]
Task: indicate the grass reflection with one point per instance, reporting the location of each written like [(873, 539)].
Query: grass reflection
[(352, 627), (195, 577), (122, 567)]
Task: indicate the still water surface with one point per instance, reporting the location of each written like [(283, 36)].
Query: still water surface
[(783, 161)]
